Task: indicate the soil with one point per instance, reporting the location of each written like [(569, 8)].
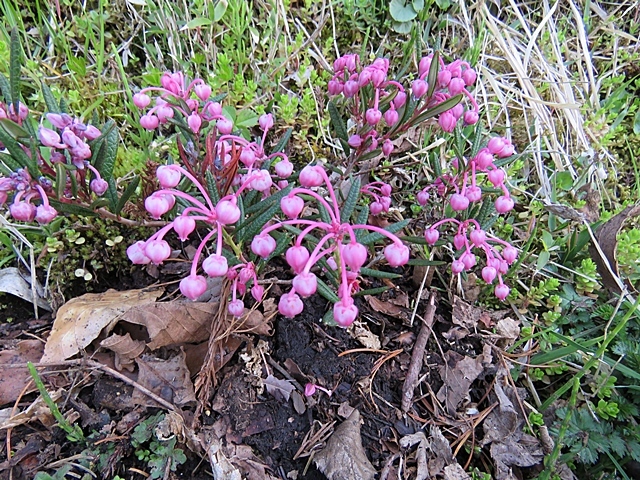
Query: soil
[(240, 409)]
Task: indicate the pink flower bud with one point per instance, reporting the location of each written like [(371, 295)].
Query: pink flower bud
[(457, 111), (257, 292), (183, 226), (213, 109), (305, 283), (335, 87), (364, 78), (193, 286), (292, 206), (507, 150), (385, 189), (503, 268), (227, 211), (23, 111), (297, 257), (444, 77), (355, 141), (168, 176), (355, 255), (164, 112), (468, 259), (157, 251), (263, 245), (136, 253), (396, 254), (351, 87), (471, 117), (203, 91), (510, 254), (473, 194), (262, 181), (386, 203), (284, 168), (378, 77), (399, 99), (157, 205), (504, 204), (98, 186), (373, 116), (266, 121), (290, 305), (387, 147), (423, 197), (141, 100), (459, 241), (91, 133), (456, 86), (447, 122), (495, 145), (49, 138), (496, 177), (478, 237), (469, 76), (391, 117), (45, 214), (418, 88), (483, 159), (236, 308), (195, 122), (489, 274), (23, 211), (501, 291), (59, 120), (458, 202), (457, 267), (311, 176), (431, 235), (247, 157), (376, 208), (149, 122), (225, 126), (215, 265), (345, 312), (424, 65)]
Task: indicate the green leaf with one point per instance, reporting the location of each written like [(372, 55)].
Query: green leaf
[(393, 228), (246, 118), (276, 197), (370, 272), (432, 76), (77, 65), (72, 209), (15, 130), (126, 195), (281, 245), (636, 123), (250, 229), (402, 27), (5, 89), (338, 125), (18, 154), (15, 64), (361, 219), (219, 10), (418, 5), (423, 262), (61, 180), (49, 99), (107, 161), (196, 23), (328, 319), (352, 199), (283, 141), (212, 188), (438, 109), (326, 292), (401, 12), (7, 161)]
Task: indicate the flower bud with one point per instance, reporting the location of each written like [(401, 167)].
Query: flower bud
[(489, 274), (284, 168), (510, 254), (447, 121), (471, 117), (355, 255), (496, 177), (141, 100), (45, 214), (257, 292), (193, 286), (373, 116), (474, 194), (292, 206), (478, 237), (458, 202), (345, 312), (227, 211), (355, 141), (469, 76), (504, 204), (391, 117), (157, 251), (266, 121), (290, 305), (431, 235), (423, 197), (263, 245), (136, 253), (387, 147), (400, 99), (418, 88), (457, 267), (22, 211), (59, 120), (203, 91), (456, 86), (215, 265), (350, 88), (396, 254), (157, 205), (262, 181), (305, 283), (459, 241), (49, 138), (183, 226), (444, 77), (225, 126), (311, 176), (236, 308), (195, 122), (501, 291), (297, 257), (483, 158), (335, 87), (149, 122)]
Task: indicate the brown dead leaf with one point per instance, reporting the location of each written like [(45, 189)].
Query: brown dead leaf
[(455, 472), (255, 322), (468, 316), (387, 308), (366, 337), (458, 373), (38, 410), (125, 348), (280, 389), (606, 235), (509, 331), (343, 458), (81, 320), (169, 379), (13, 380), (173, 323)]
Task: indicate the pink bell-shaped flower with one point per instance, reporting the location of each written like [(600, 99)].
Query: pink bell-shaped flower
[(193, 286), (215, 265), (290, 305)]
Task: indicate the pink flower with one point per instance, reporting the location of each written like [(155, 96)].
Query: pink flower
[(447, 121), (91, 133), (489, 274), (444, 77), (474, 194), (297, 257), (157, 251), (468, 259), (290, 305), (458, 202), (501, 291), (257, 292), (236, 308), (396, 254), (484, 158), (373, 116), (168, 176), (456, 86), (215, 266), (45, 214), (510, 254), (136, 253), (355, 255), (431, 235), (311, 176), (478, 237), (305, 283), (459, 241), (471, 117), (49, 138), (387, 147), (345, 312), (59, 120), (292, 206), (418, 88), (195, 122), (400, 99), (183, 226), (495, 145), (149, 122), (141, 100), (334, 87), (496, 177), (262, 181), (391, 117), (227, 211), (457, 267), (23, 211), (157, 205), (355, 141), (263, 245), (350, 88), (284, 168), (504, 204), (265, 121), (469, 76), (193, 286), (203, 91), (423, 197), (225, 126)]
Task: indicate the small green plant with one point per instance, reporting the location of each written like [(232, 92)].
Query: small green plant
[(158, 454)]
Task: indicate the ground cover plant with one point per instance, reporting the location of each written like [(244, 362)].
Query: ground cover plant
[(259, 242)]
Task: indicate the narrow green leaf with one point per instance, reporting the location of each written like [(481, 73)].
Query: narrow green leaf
[(250, 229), (196, 23), (352, 199), (423, 262), (281, 245), (267, 202), (17, 153), (370, 272), (61, 180), (7, 161), (448, 104), (72, 209), (99, 203), (49, 99), (393, 228), (328, 319), (219, 10), (212, 188), (361, 219), (15, 130), (326, 292), (432, 76), (283, 141), (486, 212), (15, 64), (338, 124), (126, 195), (477, 139), (5, 89)]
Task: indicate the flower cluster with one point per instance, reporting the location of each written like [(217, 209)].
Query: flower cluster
[(191, 100), (68, 145), (337, 243), (463, 189), (387, 103)]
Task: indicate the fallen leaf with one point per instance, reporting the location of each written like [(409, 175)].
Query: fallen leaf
[(441, 453), (221, 467), (298, 402), (14, 380), (280, 389), (606, 235), (81, 320), (253, 321), (509, 331), (455, 472), (387, 308), (169, 379), (468, 316), (455, 333), (13, 283), (343, 458), (173, 323), (366, 338), (422, 469), (458, 373), (125, 348), (38, 410)]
